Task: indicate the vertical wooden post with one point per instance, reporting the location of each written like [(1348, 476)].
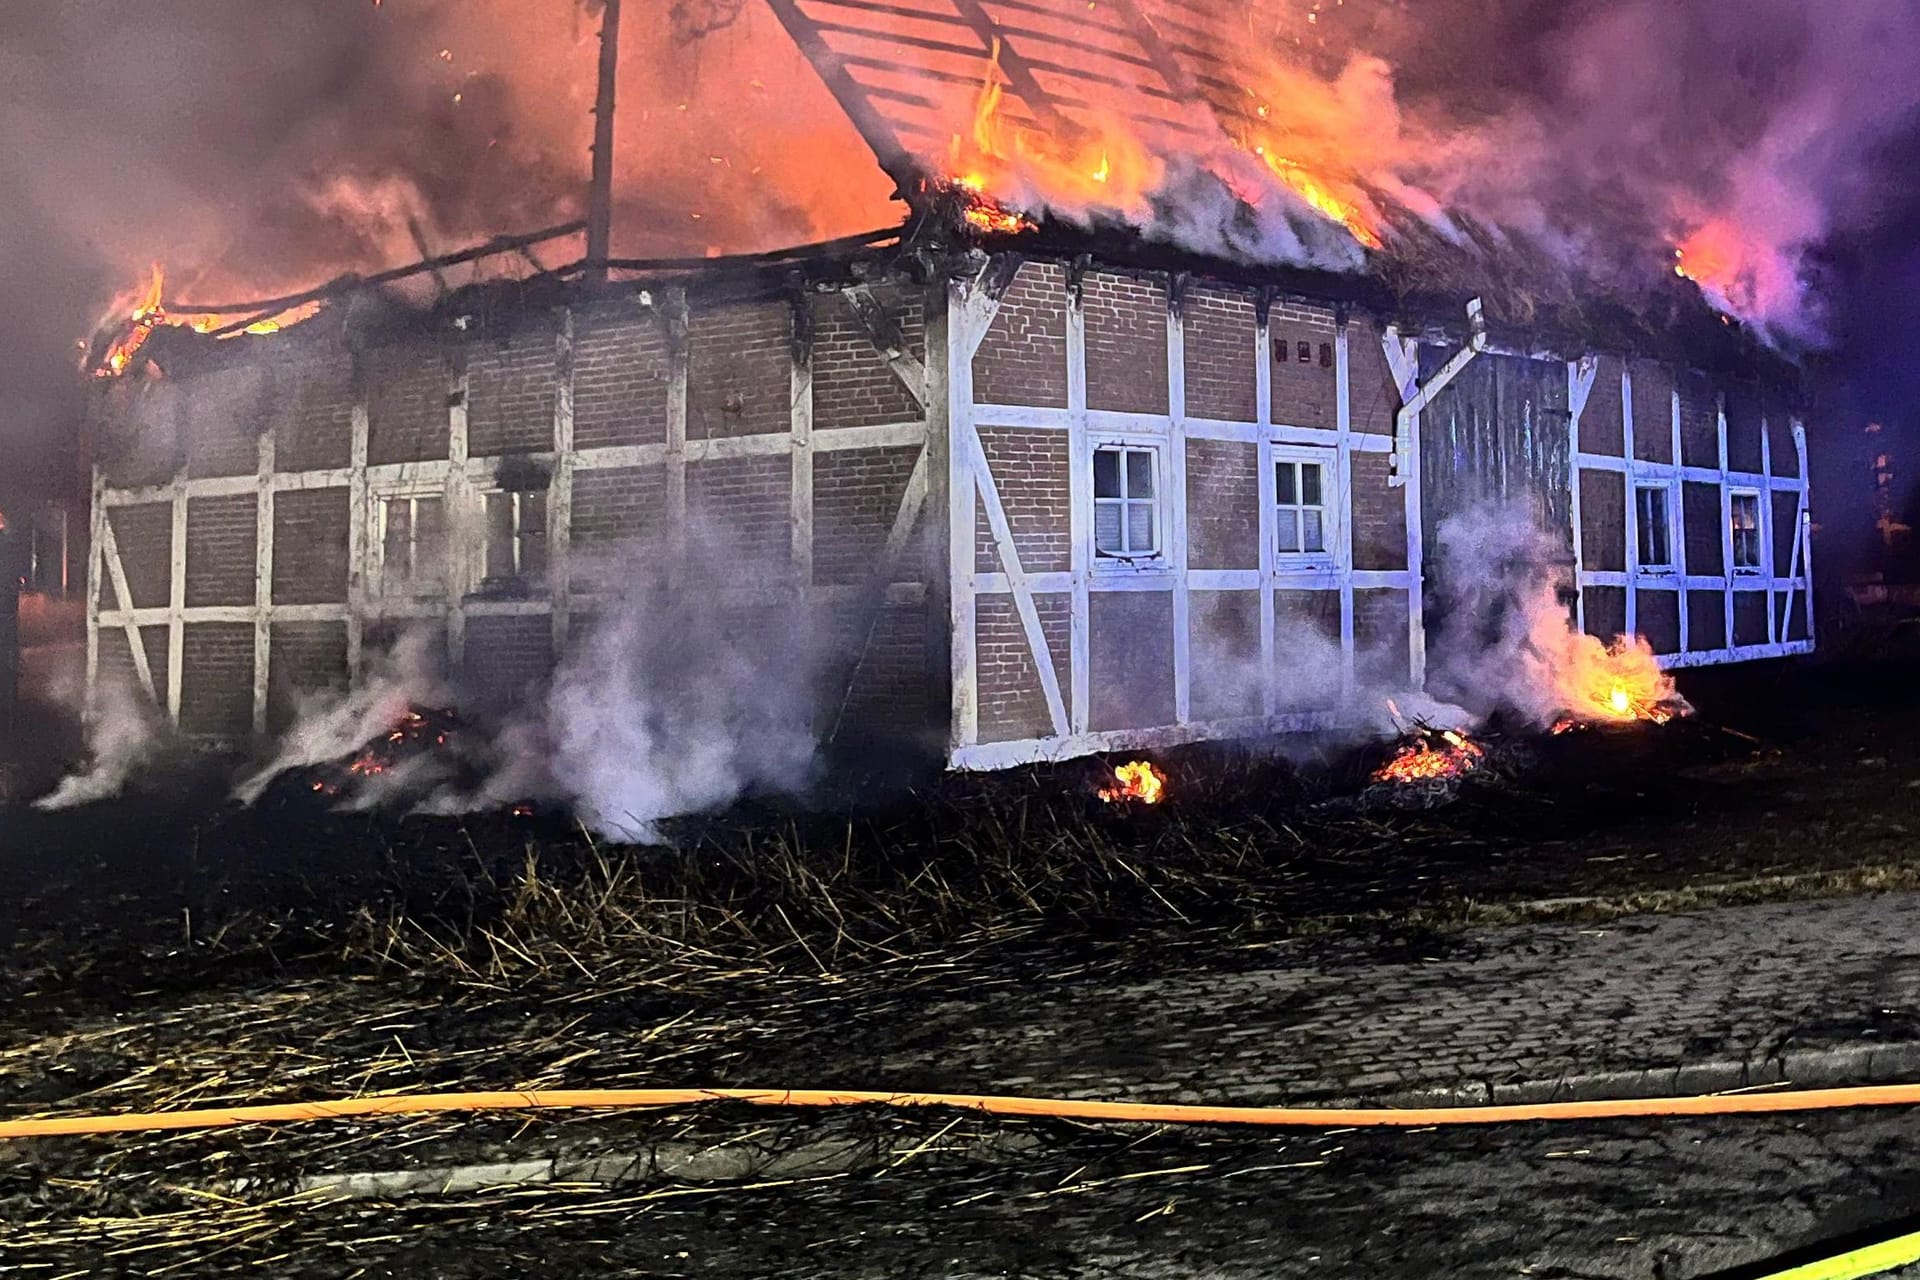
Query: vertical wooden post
[(458, 522), (1633, 503), (800, 428), (674, 312), (937, 566), (1343, 503), (1177, 498), (1726, 515), (359, 517), (1679, 521), (1263, 459), (1767, 566), (263, 577), (560, 493), (600, 193), (177, 593), (1079, 520), (96, 549), (1576, 406)]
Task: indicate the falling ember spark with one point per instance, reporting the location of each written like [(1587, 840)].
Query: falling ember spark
[(1138, 781), (1448, 754)]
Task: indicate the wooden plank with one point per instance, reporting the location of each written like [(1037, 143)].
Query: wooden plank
[(1177, 499), (263, 579), (887, 340), (459, 551), (1678, 522), (116, 571), (1768, 569), (1580, 376), (177, 594), (1002, 531), (560, 493), (674, 311), (1263, 459), (1633, 502), (800, 433), (1343, 500), (1079, 521), (359, 554), (96, 516)]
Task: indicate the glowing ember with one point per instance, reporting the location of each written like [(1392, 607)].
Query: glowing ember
[(1447, 754), (413, 732), (1136, 781)]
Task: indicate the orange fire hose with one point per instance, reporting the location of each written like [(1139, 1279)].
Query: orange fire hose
[(1894, 1095)]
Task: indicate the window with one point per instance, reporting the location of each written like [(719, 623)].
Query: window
[(412, 544), (1650, 501), (516, 535), (1126, 513), (1303, 530), (1743, 510)]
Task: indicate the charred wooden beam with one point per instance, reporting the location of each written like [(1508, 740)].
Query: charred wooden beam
[(600, 192), (1015, 67), (895, 160)]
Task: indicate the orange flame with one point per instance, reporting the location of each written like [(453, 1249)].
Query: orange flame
[(1136, 780), (1425, 757), (146, 311), (1617, 683)]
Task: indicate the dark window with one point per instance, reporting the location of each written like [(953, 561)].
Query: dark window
[(1744, 514), (1655, 546), (516, 535)]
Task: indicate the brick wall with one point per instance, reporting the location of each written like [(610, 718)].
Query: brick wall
[(302, 658), (1379, 514), (739, 370), (140, 433), (1699, 422), (310, 534), (1701, 505), (145, 537), (1126, 327), (1657, 617), (116, 658), (407, 416), (1130, 659), (314, 430), (507, 658), (1023, 358), (853, 386), (856, 494), (1380, 639), (1223, 505), (1706, 620), (226, 412), (1219, 332), (611, 504), (1600, 426), (1606, 612), (1029, 467), (1373, 396), (216, 680), (1304, 390), (1306, 643), (511, 389), (620, 372), (1743, 427), (1750, 617), (1785, 460), (888, 693), (1652, 411), (222, 533), (1223, 650), (742, 508), (1011, 702), (1603, 515)]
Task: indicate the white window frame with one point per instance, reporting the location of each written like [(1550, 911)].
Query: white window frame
[(1333, 507), (1157, 560), (1664, 487), (1759, 564), (377, 499), (515, 532)]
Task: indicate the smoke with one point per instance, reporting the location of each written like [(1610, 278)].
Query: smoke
[(1506, 641), (668, 702), (124, 736)]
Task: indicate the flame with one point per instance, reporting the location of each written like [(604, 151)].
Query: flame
[(145, 311), (1447, 754), (1618, 683), (1739, 274), (1136, 780)]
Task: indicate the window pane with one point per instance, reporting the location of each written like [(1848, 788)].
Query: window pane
[(499, 535), (396, 565), (1310, 483), (1289, 531), (1315, 539), (1283, 485), (1139, 473), (1140, 528), (428, 540), (1653, 527), (533, 534), (1106, 527), (1106, 473)]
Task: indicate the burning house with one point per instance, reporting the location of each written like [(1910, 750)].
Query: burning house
[(1139, 429)]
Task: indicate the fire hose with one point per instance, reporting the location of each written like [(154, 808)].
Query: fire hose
[(1873, 1259), (1718, 1104)]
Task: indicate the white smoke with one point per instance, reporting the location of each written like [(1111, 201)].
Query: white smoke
[(124, 734)]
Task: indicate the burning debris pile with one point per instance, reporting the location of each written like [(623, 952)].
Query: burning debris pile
[(1427, 755), (1136, 782), (415, 744)]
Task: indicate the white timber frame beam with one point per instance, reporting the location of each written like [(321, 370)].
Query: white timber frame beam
[(1178, 499), (1343, 486), (177, 592), (560, 490), (359, 534), (971, 307), (1406, 459), (1269, 517), (263, 578), (109, 554), (96, 542), (1580, 376), (800, 432)]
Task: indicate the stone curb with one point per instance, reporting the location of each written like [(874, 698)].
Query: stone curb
[(748, 1162)]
